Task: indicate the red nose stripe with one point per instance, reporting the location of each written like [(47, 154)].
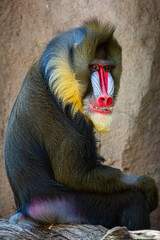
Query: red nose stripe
[(103, 76)]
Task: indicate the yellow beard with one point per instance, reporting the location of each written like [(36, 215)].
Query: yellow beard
[(101, 122)]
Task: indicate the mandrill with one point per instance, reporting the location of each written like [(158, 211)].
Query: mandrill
[(52, 162)]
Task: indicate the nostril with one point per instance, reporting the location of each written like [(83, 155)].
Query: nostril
[(105, 101), (109, 102)]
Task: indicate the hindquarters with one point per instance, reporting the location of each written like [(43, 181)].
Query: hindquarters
[(121, 209)]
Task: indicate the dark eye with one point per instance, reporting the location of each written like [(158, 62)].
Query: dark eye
[(95, 67), (107, 68)]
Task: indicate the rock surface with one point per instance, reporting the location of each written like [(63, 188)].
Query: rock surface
[(27, 231), (133, 143)]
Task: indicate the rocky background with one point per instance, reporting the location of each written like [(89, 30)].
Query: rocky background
[(134, 141)]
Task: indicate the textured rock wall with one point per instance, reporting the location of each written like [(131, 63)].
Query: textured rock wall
[(26, 27)]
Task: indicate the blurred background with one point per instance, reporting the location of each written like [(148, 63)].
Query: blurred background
[(134, 141)]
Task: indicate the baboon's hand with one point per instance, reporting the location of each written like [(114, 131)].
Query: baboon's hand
[(149, 187)]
